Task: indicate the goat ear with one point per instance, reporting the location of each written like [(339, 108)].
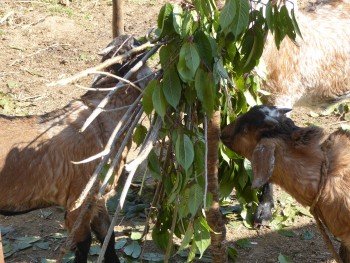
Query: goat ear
[(263, 162), (283, 110)]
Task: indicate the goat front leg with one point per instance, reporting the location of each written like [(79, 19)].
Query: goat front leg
[(82, 237), (100, 224), (263, 213), (344, 252)]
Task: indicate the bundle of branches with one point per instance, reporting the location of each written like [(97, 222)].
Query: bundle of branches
[(207, 58)]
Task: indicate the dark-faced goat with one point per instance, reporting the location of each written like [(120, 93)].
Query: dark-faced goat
[(36, 153), (312, 73), (292, 157)]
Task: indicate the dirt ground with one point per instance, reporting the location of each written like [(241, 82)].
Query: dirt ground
[(42, 41)]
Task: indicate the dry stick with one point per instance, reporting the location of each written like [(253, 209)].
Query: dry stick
[(131, 167), (118, 78), (120, 152), (126, 120), (112, 88), (173, 224), (5, 17), (104, 102), (205, 163), (92, 186), (103, 65)]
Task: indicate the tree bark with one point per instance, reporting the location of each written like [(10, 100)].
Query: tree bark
[(214, 216), (118, 18)]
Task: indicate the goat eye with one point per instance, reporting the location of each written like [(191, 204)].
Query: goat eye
[(245, 130)]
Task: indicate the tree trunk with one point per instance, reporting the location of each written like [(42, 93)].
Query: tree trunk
[(118, 18), (214, 216)]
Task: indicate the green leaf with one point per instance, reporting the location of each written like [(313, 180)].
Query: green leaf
[(139, 134), (205, 88), (177, 19), (42, 245), (241, 20), (172, 87), (187, 238), (30, 239), (269, 16), (227, 14), (153, 165), (244, 243), (251, 59), (204, 48), (284, 259), (20, 245), (147, 102), (159, 101), (185, 200), (199, 150), (286, 233), (249, 98), (133, 250), (94, 250), (308, 235), (287, 23), (120, 243), (167, 54), (184, 151), (188, 62), (165, 20), (196, 194), (201, 237), (192, 252), (295, 24), (187, 24), (232, 253), (136, 235), (153, 257)]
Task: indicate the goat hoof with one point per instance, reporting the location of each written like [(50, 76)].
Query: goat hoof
[(263, 215)]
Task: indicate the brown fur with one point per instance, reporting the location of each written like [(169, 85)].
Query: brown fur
[(293, 160), (314, 72), (36, 153)]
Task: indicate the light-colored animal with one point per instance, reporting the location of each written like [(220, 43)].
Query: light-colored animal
[(292, 157), (316, 71), (36, 153)]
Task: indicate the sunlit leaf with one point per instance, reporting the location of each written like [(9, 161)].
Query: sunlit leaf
[(227, 14), (201, 237), (196, 194), (241, 19), (184, 151), (172, 87), (177, 18), (147, 102), (187, 238), (159, 101)]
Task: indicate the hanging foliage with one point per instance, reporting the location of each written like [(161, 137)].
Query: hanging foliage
[(207, 62)]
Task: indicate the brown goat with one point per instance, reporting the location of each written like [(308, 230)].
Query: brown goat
[(36, 153), (292, 157), (315, 72)]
